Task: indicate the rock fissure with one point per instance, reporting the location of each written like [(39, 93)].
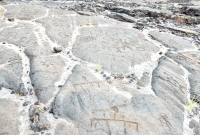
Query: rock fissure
[(92, 68)]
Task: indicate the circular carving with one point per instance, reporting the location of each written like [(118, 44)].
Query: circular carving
[(88, 39), (181, 57), (23, 39), (63, 34), (140, 48)]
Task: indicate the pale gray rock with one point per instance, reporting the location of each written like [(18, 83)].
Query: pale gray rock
[(100, 5), (97, 21), (22, 35), (195, 2), (25, 11), (115, 49), (61, 30), (60, 12), (168, 83), (190, 61), (3, 24), (96, 109), (10, 69), (171, 41), (64, 129), (9, 123), (106, 13), (85, 104), (45, 72), (85, 13)]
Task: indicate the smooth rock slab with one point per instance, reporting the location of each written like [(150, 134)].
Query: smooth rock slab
[(22, 35), (61, 30), (115, 49), (171, 41), (195, 2), (25, 11), (64, 129), (60, 12), (9, 124), (98, 21), (168, 83), (96, 109), (3, 24), (10, 69), (190, 61), (45, 72)]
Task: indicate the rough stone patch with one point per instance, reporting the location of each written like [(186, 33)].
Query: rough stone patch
[(9, 124), (24, 11), (10, 69), (115, 49), (171, 41), (96, 109), (190, 10), (22, 35), (140, 12), (144, 81), (169, 84), (146, 11), (190, 60), (39, 121), (45, 72)]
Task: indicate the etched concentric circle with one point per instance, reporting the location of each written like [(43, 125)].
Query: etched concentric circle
[(87, 39)]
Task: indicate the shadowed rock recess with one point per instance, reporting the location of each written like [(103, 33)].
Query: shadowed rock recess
[(100, 67)]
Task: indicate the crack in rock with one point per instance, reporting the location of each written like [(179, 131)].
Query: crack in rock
[(25, 87), (95, 75)]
